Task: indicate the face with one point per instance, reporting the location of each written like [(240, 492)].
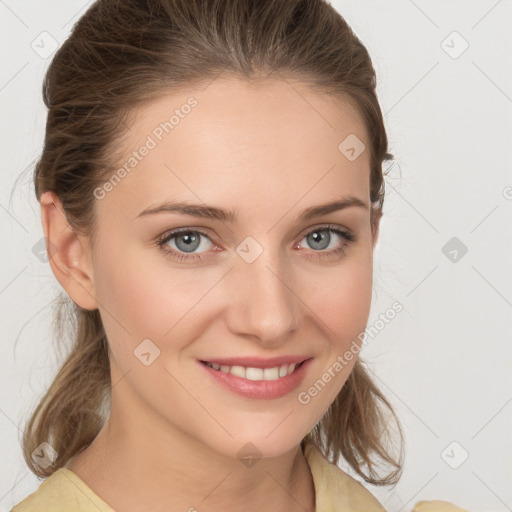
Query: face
[(270, 283)]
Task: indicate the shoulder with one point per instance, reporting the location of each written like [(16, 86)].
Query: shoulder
[(337, 491), (61, 492), (436, 506)]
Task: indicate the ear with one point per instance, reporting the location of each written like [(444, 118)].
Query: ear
[(68, 253), (375, 225)]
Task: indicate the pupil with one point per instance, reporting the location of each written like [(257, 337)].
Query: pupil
[(187, 241), (318, 237)]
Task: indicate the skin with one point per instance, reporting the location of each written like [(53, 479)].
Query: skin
[(269, 151)]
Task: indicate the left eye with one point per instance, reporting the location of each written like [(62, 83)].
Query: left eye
[(321, 237)]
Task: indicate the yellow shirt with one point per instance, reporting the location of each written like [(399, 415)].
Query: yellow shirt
[(335, 491)]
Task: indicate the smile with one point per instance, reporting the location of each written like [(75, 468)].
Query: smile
[(251, 373), (258, 383)]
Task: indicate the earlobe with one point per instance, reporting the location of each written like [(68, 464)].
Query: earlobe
[(375, 234), (68, 253)]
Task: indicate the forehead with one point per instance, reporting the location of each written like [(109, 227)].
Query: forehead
[(230, 140)]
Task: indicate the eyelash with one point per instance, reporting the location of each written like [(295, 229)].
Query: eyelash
[(345, 235)]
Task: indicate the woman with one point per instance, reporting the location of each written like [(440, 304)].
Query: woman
[(211, 188)]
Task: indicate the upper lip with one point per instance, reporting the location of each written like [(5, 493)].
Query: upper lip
[(256, 362)]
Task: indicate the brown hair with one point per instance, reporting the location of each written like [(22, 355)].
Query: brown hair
[(122, 54)]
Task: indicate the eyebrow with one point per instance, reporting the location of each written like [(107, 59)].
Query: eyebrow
[(211, 212)]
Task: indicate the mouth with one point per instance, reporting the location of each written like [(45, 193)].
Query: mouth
[(268, 383), (255, 373)]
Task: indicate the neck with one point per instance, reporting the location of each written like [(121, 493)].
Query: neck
[(134, 466)]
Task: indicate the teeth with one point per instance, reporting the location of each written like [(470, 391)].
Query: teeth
[(238, 371), (255, 373), (250, 373)]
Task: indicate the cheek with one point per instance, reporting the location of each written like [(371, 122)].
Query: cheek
[(342, 300), (140, 300), (342, 312)]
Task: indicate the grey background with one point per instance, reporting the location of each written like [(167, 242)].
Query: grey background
[(444, 361)]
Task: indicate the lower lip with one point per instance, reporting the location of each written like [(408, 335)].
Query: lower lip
[(261, 389)]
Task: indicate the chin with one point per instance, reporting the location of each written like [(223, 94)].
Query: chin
[(258, 445)]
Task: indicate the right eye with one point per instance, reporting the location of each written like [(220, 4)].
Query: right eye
[(186, 240)]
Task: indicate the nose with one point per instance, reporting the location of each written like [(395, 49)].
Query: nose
[(263, 303)]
